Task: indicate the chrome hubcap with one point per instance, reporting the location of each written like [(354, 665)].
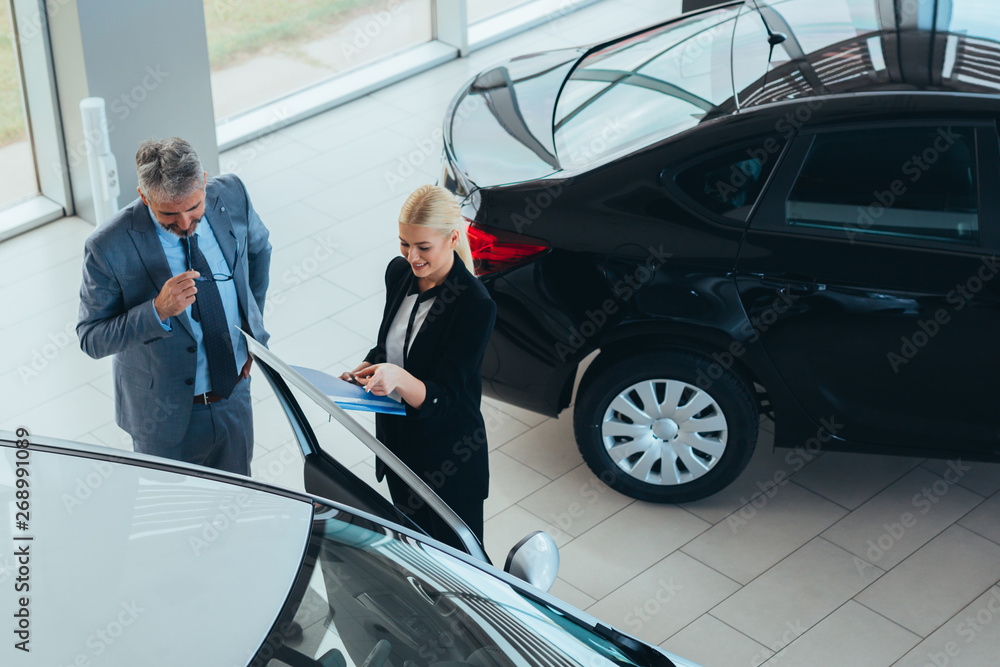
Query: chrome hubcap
[(665, 429), (664, 432)]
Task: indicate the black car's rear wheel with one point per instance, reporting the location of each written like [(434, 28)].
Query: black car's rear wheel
[(665, 426)]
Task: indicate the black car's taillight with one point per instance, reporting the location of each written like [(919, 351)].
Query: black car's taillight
[(495, 250)]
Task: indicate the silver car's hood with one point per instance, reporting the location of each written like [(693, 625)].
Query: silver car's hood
[(116, 562)]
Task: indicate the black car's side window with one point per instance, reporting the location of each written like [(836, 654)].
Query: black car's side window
[(728, 184), (903, 182)]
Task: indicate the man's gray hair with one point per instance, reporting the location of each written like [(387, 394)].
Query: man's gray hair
[(169, 169)]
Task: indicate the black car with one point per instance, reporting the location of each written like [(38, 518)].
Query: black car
[(789, 208)]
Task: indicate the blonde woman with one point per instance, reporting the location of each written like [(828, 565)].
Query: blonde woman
[(435, 327)]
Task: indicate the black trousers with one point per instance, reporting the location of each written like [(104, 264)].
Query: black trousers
[(469, 510)]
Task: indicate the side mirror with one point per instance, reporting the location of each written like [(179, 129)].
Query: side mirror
[(534, 559)]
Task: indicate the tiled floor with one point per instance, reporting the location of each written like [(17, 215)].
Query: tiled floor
[(854, 560)]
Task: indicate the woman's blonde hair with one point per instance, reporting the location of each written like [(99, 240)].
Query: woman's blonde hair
[(436, 208)]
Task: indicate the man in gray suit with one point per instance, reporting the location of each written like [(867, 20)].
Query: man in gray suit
[(165, 284)]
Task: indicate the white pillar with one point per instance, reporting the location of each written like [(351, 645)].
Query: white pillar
[(149, 61)]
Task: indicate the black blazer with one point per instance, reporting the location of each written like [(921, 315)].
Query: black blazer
[(445, 440)]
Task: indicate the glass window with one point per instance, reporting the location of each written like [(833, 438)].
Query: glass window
[(908, 182), (820, 25), (261, 50), (17, 161), (370, 592), (729, 184), (647, 88), (479, 10)]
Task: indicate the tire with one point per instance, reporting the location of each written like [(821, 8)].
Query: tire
[(667, 454)]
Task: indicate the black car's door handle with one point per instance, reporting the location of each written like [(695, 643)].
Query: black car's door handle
[(791, 284)]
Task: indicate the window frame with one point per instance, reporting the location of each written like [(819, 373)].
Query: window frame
[(771, 213), (668, 178), (43, 122)]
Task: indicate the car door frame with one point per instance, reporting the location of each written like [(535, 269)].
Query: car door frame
[(344, 486)]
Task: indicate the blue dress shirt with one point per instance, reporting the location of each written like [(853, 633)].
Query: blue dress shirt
[(177, 260)]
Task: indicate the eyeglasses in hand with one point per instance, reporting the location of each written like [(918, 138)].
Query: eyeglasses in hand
[(215, 277)]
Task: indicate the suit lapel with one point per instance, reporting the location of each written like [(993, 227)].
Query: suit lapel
[(222, 226), (427, 336), (147, 245)]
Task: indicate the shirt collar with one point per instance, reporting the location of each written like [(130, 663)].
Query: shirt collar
[(414, 287), (169, 238)]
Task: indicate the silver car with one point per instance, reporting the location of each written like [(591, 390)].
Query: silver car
[(118, 559)]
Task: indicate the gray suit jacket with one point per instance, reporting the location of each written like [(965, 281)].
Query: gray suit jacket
[(124, 268)]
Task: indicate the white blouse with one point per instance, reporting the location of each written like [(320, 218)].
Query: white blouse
[(396, 335)]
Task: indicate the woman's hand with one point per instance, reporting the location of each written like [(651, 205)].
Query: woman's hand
[(350, 376), (383, 379)]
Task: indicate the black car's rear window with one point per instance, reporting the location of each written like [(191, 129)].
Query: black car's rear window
[(648, 87), (729, 183)]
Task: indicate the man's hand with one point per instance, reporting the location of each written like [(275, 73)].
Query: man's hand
[(176, 295), (245, 373)]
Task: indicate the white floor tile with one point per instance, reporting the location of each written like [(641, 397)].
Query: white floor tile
[(549, 448), (297, 221), (576, 502), (977, 476), (30, 254), (363, 152), (42, 290), (985, 519), (501, 428), (787, 600), (111, 435), (301, 260), (914, 595), (281, 467), (971, 638), (662, 600), (263, 157), (319, 345), (292, 310), (281, 189), (77, 411), (902, 518), (850, 479), (764, 531), (624, 545), (510, 481), (711, 643), (852, 635), (522, 415)]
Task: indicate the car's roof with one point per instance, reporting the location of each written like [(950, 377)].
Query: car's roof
[(126, 559), (865, 46)]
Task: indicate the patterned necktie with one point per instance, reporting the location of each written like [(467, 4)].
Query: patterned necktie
[(214, 326)]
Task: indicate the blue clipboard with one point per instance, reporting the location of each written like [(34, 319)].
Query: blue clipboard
[(350, 396)]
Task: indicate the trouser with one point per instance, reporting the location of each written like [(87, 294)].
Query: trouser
[(219, 435)]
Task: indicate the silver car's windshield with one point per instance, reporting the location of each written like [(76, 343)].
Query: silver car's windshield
[(369, 593)]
